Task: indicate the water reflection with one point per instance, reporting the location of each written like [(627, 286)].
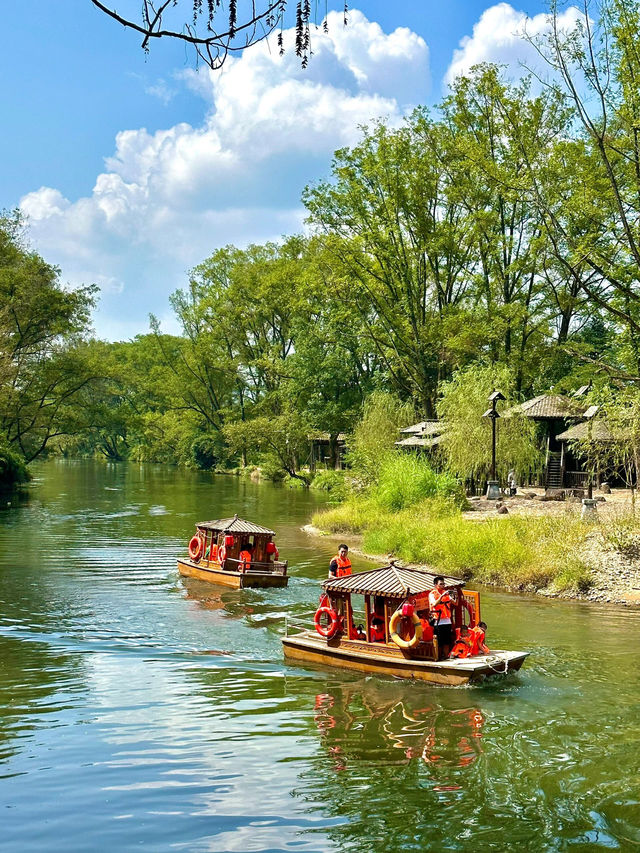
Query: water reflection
[(430, 733), (163, 716)]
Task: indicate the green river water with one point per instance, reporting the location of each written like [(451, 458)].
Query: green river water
[(139, 711)]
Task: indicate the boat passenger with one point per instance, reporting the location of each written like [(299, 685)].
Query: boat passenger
[(462, 648), (477, 634), (341, 564), (440, 605), (377, 630), (244, 558), (427, 627)]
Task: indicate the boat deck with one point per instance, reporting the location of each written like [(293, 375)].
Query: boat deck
[(390, 660), (212, 573)]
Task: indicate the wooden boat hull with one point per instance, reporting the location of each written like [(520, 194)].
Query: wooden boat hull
[(309, 647), (233, 579)]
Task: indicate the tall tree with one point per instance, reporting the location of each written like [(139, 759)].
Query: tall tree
[(42, 363)]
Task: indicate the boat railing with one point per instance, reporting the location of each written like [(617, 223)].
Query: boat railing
[(278, 567)]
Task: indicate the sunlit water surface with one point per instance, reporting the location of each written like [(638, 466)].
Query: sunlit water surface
[(141, 711)]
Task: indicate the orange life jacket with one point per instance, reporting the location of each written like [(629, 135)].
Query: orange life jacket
[(377, 634), (344, 566), (427, 631), (461, 649), (440, 604), (214, 551), (245, 560), (477, 641)]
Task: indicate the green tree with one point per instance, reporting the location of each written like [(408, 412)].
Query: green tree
[(403, 243), (467, 440), (43, 364), (375, 434)]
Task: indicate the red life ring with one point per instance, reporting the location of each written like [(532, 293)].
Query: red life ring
[(195, 548), (222, 554), (334, 622)]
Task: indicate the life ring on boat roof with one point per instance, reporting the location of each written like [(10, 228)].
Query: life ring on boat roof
[(393, 630), (334, 622), (195, 548)]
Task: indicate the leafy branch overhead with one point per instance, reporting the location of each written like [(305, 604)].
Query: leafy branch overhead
[(214, 28)]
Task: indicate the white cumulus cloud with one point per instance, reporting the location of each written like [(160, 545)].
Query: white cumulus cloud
[(499, 37), (167, 199)]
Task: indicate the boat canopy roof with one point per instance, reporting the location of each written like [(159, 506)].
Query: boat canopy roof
[(391, 581), (234, 525)]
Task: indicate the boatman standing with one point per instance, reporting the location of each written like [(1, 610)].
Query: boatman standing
[(341, 564), (440, 606)]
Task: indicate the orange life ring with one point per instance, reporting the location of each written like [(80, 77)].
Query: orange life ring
[(222, 554), (334, 622), (393, 630), (195, 548)]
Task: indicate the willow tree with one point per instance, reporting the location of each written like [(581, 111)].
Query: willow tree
[(467, 441), (216, 28)]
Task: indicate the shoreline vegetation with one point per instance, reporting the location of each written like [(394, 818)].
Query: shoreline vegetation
[(541, 547), (538, 548)]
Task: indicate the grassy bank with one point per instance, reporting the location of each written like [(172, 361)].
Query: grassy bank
[(516, 552)]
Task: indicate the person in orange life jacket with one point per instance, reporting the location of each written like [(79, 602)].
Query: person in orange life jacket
[(427, 627), (245, 558), (477, 635), (212, 552), (462, 646), (440, 605), (377, 630), (341, 564)]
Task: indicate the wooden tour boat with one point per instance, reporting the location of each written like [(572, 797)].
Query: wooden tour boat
[(390, 592), (214, 555)]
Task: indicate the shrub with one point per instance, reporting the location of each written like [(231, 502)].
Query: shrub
[(271, 469), (13, 469), (623, 535), (333, 482), (405, 480)]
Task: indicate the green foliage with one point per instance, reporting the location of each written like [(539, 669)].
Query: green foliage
[(375, 433), (206, 451), (405, 479), (271, 469), (516, 552), (467, 441), (43, 360), (334, 483), (13, 470)]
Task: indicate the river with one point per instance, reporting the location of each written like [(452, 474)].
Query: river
[(142, 711)]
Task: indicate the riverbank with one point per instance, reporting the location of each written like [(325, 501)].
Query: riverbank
[(537, 546)]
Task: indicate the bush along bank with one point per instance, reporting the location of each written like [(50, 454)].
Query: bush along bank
[(415, 514)]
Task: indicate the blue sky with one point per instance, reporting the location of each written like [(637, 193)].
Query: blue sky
[(134, 168)]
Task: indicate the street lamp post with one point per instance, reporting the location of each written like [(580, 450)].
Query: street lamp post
[(493, 487)]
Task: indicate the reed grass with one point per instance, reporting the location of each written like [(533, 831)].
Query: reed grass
[(519, 553)]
